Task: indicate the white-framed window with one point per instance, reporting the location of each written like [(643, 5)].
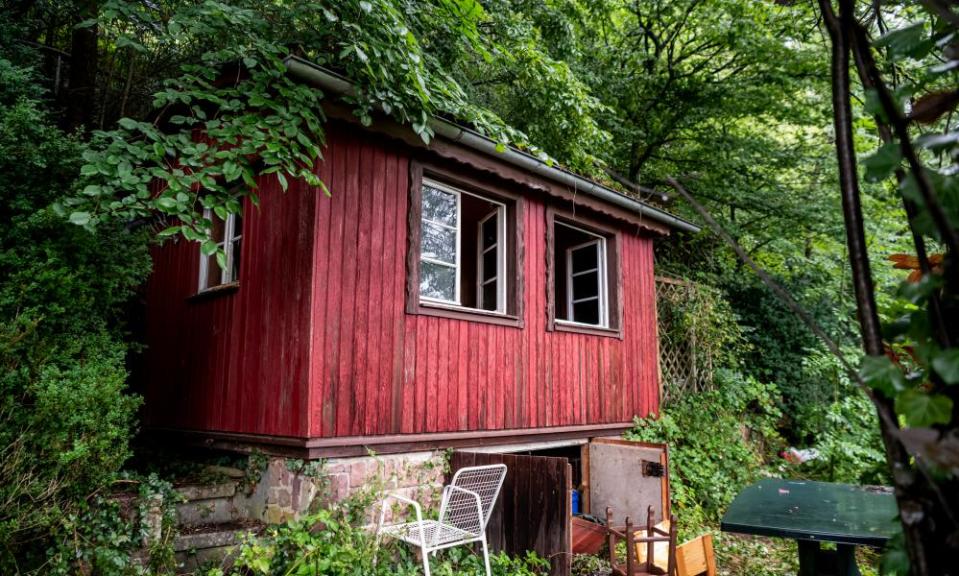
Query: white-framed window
[(228, 235), (463, 249), (582, 290)]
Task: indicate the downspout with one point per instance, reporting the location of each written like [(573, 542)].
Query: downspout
[(330, 82)]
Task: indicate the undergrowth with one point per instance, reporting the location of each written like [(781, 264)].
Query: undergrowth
[(719, 441), (337, 540), (723, 439)]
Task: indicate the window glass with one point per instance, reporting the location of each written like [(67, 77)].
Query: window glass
[(490, 295), (489, 260), (490, 263), (587, 312), (437, 281), (585, 258), (439, 206), (213, 272), (490, 231), (462, 249), (586, 285), (235, 260), (438, 243)]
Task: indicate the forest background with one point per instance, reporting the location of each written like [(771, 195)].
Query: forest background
[(731, 97)]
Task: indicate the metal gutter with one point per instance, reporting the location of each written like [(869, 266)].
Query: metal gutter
[(334, 83)]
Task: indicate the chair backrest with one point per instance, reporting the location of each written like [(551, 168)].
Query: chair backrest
[(459, 509), (695, 557)]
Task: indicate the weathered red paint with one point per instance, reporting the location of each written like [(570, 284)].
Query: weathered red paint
[(315, 341)]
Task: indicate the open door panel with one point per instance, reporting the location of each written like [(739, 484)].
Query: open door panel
[(628, 477), (534, 510)]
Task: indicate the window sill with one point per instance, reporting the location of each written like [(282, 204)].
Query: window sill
[(467, 314), (215, 291), (564, 326)]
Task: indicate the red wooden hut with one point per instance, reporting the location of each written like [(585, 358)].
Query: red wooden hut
[(442, 295)]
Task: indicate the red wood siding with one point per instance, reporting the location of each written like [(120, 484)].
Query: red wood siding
[(235, 361), (376, 370), (315, 341)]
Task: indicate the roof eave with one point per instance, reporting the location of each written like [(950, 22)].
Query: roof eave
[(335, 83)]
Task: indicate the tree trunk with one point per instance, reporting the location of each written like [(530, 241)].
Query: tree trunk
[(926, 527), (81, 94)]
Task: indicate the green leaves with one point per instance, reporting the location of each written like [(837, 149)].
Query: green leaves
[(80, 218), (880, 373), (881, 164), (907, 42), (946, 365), (923, 409)]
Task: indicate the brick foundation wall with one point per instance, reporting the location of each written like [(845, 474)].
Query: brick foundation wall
[(289, 488)]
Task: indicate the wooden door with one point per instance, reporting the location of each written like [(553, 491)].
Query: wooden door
[(534, 510), (628, 477)]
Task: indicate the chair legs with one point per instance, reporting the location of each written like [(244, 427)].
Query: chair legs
[(425, 556), (426, 561), (379, 529), (486, 555)]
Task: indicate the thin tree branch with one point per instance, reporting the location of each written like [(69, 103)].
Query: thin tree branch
[(909, 495), (781, 292)]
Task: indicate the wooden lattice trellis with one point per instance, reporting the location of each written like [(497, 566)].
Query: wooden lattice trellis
[(683, 368)]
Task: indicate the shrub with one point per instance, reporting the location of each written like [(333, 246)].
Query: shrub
[(65, 418), (108, 536), (779, 342), (718, 441), (844, 429), (331, 543)]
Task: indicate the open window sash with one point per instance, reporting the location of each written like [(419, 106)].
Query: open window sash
[(491, 263), (586, 294), (228, 236)]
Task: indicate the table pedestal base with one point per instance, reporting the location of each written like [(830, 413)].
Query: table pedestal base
[(813, 561)]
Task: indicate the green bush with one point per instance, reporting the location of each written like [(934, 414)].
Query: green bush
[(331, 542), (844, 429), (779, 343), (107, 537), (718, 441), (65, 417)]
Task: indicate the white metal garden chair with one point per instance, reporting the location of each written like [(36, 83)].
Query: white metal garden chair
[(465, 509)]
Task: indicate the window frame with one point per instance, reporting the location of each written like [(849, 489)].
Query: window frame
[(510, 233), (230, 237), (457, 265), (501, 240), (610, 277), (602, 290)]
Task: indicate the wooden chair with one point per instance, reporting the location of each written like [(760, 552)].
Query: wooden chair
[(633, 567), (695, 558)]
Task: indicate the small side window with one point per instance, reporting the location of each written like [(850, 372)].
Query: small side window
[(228, 235)]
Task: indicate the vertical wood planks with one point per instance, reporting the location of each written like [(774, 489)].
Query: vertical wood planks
[(316, 341), (533, 509), (214, 359)]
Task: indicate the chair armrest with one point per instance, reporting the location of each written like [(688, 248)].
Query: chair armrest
[(416, 508)]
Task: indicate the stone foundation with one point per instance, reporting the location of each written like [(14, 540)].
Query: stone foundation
[(290, 488)]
